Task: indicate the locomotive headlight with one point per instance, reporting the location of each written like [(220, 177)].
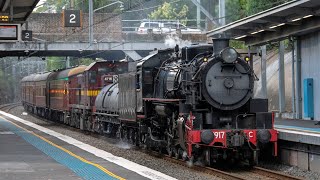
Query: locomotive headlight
[(229, 55)]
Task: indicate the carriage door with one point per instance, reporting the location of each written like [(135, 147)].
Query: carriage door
[(80, 78), (65, 92)]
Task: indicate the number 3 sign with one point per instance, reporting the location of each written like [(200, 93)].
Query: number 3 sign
[(72, 18)]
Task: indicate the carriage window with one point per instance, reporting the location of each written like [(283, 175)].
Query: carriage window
[(92, 77), (121, 68), (103, 70), (80, 79)]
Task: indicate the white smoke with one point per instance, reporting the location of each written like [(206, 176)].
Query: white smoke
[(123, 145), (172, 40)]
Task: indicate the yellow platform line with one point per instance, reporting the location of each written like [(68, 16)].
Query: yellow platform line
[(67, 151)]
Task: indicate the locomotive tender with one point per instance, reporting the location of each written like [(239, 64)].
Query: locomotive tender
[(193, 103)]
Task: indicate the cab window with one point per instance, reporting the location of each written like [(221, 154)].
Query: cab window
[(92, 77)]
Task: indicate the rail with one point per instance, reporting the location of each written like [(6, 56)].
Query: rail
[(8, 107), (274, 174), (245, 173)]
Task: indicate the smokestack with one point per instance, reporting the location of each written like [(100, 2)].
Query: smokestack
[(219, 45)]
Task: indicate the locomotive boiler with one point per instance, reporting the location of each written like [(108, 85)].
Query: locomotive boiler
[(191, 103)]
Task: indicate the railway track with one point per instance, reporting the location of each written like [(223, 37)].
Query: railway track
[(244, 174), (274, 174), (8, 107), (206, 170)]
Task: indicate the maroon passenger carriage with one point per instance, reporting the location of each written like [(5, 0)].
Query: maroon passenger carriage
[(27, 92), (46, 94), (68, 95)]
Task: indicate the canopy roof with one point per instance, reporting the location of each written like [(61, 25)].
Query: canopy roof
[(295, 18), (21, 8)]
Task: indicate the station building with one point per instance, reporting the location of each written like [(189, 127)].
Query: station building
[(299, 22)]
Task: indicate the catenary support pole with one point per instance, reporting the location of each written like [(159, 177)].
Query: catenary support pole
[(281, 78), (297, 45), (222, 12), (198, 15), (293, 79), (264, 72), (90, 22)]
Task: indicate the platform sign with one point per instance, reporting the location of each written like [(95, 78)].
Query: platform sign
[(72, 18), (26, 35), (8, 32)]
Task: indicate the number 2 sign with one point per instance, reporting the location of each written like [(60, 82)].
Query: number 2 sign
[(72, 18), (26, 35)]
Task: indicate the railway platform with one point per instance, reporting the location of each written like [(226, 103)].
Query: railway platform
[(299, 143), (30, 151), (298, 130)]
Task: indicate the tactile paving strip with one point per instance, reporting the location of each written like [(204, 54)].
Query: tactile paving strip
[(80, 167)]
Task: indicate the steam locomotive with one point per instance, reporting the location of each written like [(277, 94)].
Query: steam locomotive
[(193, 103), (196, 103)]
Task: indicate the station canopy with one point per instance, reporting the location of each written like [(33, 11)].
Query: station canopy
[(20, 9), (294, 18)]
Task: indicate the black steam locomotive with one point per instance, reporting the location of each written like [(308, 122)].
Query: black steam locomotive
[(190, 103)]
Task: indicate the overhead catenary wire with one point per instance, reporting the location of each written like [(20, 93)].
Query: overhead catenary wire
[(129, 10), (233, 14), (73, 33)]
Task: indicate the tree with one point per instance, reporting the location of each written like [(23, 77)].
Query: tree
[(234, 10), (55, 63), (85, 61), (60, 62), (170, 11), (255, 6)]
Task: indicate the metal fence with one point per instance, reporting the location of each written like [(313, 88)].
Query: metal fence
[(47, 27)]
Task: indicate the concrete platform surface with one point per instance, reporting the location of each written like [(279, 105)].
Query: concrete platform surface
[(29, 151), (295, 130), (299, 143), (298, 123)]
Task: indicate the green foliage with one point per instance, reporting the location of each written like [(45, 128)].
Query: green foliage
[(60, 62), (255, 6), (85, 61), (55, 63), (237, 44), (170, 11), (234, 10)]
